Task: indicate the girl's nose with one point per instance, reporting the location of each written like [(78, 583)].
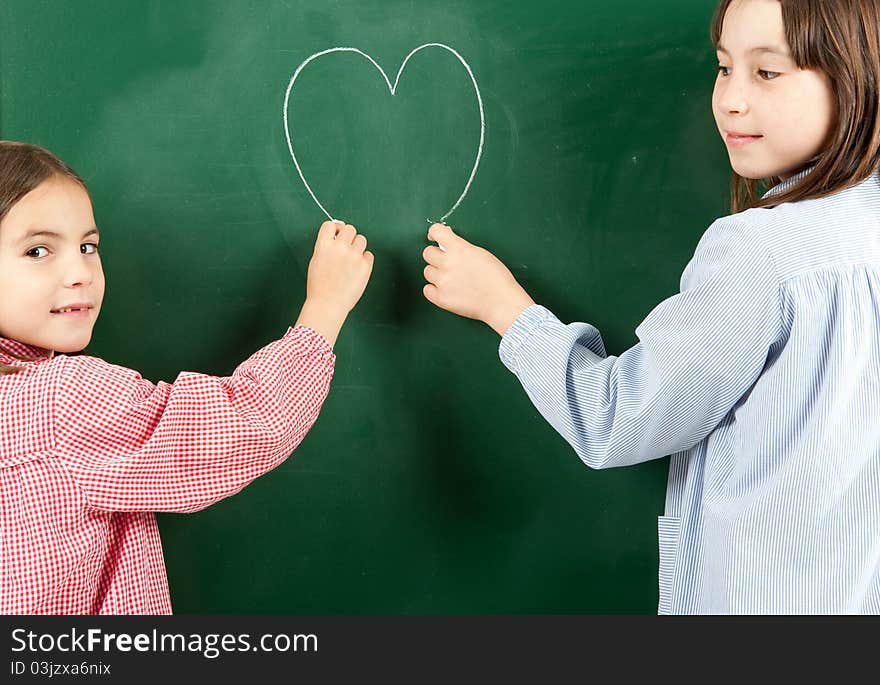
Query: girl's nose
[(732, 99), (77, 273)]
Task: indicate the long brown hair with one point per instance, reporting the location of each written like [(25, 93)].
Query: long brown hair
[(842, 39), (23, 167)]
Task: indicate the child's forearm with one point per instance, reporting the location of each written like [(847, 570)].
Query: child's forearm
[(508, 310), (323, 318)]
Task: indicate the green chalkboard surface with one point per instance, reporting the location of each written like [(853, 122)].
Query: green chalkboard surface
[(429, 483)]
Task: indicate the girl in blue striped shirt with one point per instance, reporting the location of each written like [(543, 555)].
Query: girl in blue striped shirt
[(762, 376)]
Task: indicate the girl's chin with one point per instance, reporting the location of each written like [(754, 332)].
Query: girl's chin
[(749, 173), (66, 346), (758, 173)]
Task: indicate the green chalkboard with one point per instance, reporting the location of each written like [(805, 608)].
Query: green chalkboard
[(429, 483)]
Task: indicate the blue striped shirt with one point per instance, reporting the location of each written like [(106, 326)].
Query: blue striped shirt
[(762, 379)]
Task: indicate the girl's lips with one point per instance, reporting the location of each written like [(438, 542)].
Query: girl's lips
[(739, 139), (76, 310)]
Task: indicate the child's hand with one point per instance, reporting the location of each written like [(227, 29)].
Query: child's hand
[(470, 281), (338, 274)]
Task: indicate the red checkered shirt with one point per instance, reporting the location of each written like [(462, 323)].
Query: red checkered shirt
[(89, 450)]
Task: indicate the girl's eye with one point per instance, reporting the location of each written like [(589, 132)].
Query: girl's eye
[(88, 248), (767, 75), (724, 71), (37, 252)]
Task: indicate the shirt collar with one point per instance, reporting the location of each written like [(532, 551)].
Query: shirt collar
[(14, 351), (781, 187)]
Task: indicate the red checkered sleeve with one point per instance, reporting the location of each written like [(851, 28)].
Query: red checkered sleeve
[(131, 445)]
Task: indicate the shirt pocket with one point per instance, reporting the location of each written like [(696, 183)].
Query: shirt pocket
[(668, 528)]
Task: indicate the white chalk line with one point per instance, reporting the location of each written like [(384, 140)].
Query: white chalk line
[(392, 88)]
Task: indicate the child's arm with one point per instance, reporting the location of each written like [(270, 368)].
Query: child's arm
[(699, 351), (131, 445)]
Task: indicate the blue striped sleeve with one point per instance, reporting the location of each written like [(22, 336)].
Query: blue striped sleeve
[(698, 353)]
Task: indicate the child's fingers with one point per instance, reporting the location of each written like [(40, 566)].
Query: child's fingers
[(431, 274), (360, 242), (432, 294), (327, 231), (433, 255), (368, 265), (346, 234), (442, 234)]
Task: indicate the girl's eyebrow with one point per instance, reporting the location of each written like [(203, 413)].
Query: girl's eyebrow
[(43, 233), (775, 49)]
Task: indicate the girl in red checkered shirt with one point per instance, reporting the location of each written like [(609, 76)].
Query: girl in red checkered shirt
[(89, 450)]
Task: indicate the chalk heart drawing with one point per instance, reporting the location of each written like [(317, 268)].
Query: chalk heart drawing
[(393, 88)]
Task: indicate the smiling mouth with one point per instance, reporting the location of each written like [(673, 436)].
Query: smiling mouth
[(737, 139), (70, 310)]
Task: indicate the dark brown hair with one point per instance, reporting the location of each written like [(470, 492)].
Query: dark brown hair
[(842, 39), (23, 167)]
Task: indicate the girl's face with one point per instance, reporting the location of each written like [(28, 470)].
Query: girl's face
[(772, 116), (50, 272)]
